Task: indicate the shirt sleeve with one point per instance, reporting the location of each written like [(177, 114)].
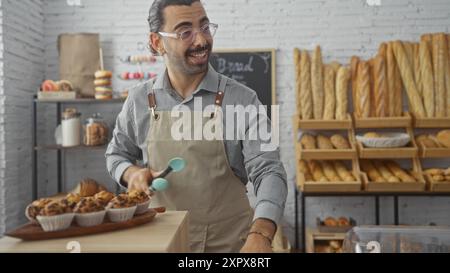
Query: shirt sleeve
[(123, 151), (264, 168)]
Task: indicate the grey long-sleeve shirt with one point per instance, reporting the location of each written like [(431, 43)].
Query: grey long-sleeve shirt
[(247, 160)]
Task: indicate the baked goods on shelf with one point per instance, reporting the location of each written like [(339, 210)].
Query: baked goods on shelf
[(322, 89), (332, 246), (326, 171), (386, 171), (444, 138), (103, 90), (440, 140), (323, 142), (438, 175), (384, 140)]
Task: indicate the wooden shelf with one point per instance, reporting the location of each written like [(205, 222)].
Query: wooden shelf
[(331, 154), (387, 122), (435, 186), (324, 124), (59, 147), (432, 122), (425, 152)]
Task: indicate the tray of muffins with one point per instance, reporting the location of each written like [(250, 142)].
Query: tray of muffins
[(78, 215)]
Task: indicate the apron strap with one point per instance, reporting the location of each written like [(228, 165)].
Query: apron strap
[(220, 95)]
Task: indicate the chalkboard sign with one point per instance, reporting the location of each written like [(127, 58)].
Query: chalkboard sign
[(255, 68)]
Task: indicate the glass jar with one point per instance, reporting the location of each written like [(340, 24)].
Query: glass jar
[(71, 128), (95, 131)]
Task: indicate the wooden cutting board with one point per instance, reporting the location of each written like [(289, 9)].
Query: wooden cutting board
[(33, 232)]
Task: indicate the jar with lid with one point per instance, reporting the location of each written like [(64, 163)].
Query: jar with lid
[(71, 128), (95, 131)]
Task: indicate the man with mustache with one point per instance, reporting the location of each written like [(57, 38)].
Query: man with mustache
[(212, 187)]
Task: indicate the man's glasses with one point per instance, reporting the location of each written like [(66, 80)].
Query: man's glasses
[(188, 35)]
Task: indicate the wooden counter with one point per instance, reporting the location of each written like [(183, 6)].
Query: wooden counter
[(168, 232)]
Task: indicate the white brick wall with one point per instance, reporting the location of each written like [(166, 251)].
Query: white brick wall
[(22, 54), (343, 28)]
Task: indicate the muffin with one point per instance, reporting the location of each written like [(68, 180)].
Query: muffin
[(141, 199), (104, 197), (56, 216), (89, 212), (34, 209), (72, 199), (121, 208)]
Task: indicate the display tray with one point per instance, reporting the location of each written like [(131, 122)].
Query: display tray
[(435, 186), (34, 232), (321, 227), (387, 122), (57, 95), (395, 187), (425, 152), (319, 154), (324, 124)]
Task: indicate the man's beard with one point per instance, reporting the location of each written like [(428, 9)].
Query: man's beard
[(195, 60)]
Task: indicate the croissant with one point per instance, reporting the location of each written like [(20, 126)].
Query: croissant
[(88, 187)]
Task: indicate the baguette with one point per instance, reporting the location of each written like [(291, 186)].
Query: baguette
[(363, 92), (417, 74), (399, 172), (408, 80), (439, 75), (342, 79), (395, 84), (330, 94), (373, 174), (329, 171), (303, 168), (380, 88), (317, 83), (335, 65), (343, 173), (409, 51), (316, 171), (372, 87), (306, 100), (426, 72), (385, 172), (354, 62)]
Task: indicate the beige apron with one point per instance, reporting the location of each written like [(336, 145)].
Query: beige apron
[(220, 213)]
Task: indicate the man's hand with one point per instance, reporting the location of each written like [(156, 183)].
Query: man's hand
[(136, 178), (260, 237)]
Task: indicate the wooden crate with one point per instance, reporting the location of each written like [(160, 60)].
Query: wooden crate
[(403, 152), (57, 95), (398, 186), (432, 122), (387, 122), (324, 124), (334, 186), (425, 152), (321, 154), (435, 186), (314, 236)]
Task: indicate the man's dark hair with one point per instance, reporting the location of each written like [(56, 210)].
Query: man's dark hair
[(156, 18)]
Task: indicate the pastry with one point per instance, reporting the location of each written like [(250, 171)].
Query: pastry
[(316, 171), (330, 222), (308, 142), (121, 201), (72, 199), (373, 174), (342, 78), (138, 196), (306, 99), (342, 171), (340, 142), (88, 187), (395, 86), (104, 197), (444, 138), (399, 172), (426, 73), (343, 221), (35, 208), (329, 171), (406, 72), (381, 102), (363, 91), (324, 143), (55, 208), (330, 94), (317, 83), (89, 205)]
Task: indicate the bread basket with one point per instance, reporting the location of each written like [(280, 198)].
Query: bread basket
[(388, 140)]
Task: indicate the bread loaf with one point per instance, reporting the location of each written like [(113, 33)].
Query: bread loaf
[(340, 142), (316, 171), (308, 142), (306, 100), (303, 168), (380, 91), (373, 174), (439, 74), (324, 143), (354, 62), (408, 80), (395, 84), (343, 173), (417, 74), (329, 171), (335, 65), (399, 172), (385, 172), (363, 92), (409, 51), (372, 87), (330, 94), (426, 72), (444, 138), (317, 83), (342, 79)]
